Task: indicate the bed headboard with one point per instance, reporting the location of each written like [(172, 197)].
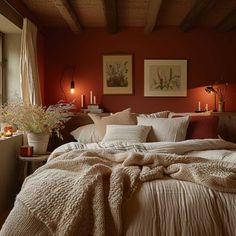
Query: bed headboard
[(226, 127)]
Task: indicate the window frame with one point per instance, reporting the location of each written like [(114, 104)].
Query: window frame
[(2, 69)]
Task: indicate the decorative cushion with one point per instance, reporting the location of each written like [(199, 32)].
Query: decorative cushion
[(202, 127), (120, 118), (165, 129), (130, 133), (161, 114), (86, 134)]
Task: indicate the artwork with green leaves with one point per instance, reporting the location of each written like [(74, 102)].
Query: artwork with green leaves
[(117, 74), (165, 78)]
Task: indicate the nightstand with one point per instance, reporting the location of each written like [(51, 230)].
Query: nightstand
[(32, 163)]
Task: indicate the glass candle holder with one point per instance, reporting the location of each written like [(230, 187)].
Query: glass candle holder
[(8, 131), (26, 151)]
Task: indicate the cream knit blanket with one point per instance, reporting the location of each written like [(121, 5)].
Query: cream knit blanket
[(81, 193)]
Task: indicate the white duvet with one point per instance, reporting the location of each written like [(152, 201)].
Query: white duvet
[(159, 207), (206, 148)]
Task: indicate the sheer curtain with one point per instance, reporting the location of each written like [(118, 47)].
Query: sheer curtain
[(29, 76)]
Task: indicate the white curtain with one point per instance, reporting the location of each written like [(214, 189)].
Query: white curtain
[(29, 76)]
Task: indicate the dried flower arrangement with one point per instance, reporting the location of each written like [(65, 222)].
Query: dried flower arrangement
[(220, 91), (35, 118)]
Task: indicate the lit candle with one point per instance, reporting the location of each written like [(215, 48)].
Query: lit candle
[(206, 107), (199, 106), (94, 99), (82, 100), (8, 131), (91, 97)]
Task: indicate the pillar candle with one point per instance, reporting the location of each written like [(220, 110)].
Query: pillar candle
[(91, 97), (94, 99), (206, 107)]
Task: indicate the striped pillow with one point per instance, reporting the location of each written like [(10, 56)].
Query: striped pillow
[(160, 114), (130, 133)]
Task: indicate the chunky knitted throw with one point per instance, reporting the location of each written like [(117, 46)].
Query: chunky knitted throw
[(82, 192)]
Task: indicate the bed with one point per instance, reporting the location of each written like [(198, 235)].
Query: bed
[(123, 187)]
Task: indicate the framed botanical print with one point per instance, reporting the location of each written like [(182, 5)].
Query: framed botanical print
[(117, 74), (165, 78)]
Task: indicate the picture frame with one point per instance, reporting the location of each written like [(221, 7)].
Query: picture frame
[(117, 74), (165, 78)]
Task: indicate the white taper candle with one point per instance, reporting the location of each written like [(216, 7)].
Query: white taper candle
[(94, 99), (91, 97), (199, 106), (82, 100)]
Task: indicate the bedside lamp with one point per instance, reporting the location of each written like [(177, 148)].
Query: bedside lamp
[(211, 90)]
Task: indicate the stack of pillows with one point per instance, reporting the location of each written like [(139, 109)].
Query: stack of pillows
[(154, 127)]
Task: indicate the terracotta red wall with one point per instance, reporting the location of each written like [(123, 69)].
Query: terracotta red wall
[(210, 56)]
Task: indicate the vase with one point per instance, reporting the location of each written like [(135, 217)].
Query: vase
[(39, 142), (221, 106)]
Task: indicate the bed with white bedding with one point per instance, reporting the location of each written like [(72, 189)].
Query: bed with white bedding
[(121, 188)]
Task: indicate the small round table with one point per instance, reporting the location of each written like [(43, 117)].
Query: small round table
[(32, 163)]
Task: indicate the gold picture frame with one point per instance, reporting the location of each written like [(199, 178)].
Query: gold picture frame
[(117, 74), (165, 78)]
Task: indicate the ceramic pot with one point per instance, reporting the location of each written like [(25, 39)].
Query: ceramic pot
[(39, 142)]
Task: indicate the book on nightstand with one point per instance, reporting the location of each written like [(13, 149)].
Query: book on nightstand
[(92, 108)]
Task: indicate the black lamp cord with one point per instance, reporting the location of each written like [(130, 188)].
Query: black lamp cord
[(72, 69), (63, 91)]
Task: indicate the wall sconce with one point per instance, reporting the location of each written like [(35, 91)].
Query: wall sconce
[(72, 86), (211, 90)]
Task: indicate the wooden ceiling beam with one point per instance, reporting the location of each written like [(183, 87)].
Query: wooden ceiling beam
[(69, 14), (152, 13), (228, 23), (11, 14), (199, 9), (110, 11)]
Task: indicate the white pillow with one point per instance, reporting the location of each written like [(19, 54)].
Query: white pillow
[(120, 118), (131, 133), (165, 129), (86, 134)]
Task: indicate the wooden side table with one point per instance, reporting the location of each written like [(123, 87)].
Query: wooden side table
[(32, 163)]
